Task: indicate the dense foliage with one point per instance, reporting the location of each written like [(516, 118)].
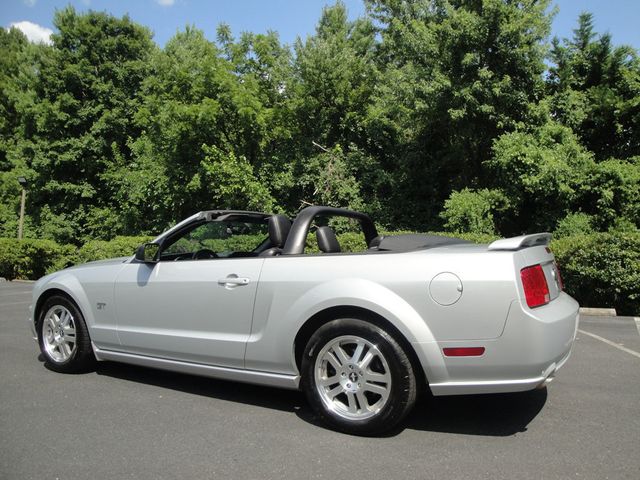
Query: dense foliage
[(598, 268), (602, 269), (428, 114), (460, 115), (31, 258), (103, 249)]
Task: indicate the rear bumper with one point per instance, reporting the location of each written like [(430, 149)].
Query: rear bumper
[(533, 347), (499, 386)]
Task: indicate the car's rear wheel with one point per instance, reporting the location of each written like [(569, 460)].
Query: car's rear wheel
[(357, 377), (63, 336)]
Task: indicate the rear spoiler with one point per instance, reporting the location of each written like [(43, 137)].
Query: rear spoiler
[(523, 241)]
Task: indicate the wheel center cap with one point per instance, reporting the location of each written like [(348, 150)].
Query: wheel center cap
[(353, 376)]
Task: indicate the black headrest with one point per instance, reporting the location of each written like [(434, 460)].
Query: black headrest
[(375, 241), (279, 227), (271, 252), (327, 241)]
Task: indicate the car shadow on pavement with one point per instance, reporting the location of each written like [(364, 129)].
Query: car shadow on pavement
[(261, 396), (497, 415), (489, 415)]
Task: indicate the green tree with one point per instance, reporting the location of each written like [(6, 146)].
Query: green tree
[(612, 193), (16, 58), (594, 89), (326, 179), (459, 74), (232, 182), (547, 175), (193, 98), (13, 46), (335, 74), (469, 211), (269, 64), (541, 172), (423, 113), (77, 120)]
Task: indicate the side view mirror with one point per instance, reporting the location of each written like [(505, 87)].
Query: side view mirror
[(148, 253)]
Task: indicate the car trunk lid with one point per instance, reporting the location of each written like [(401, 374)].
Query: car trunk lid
[(533, 252)]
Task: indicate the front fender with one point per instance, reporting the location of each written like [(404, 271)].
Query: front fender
[(69, 284), (91, 288)]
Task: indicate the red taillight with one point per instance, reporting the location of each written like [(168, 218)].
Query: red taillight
[(536, 290), (463, 351)]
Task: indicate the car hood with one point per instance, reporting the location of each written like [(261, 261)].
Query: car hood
[(52, 276), (99, 263)]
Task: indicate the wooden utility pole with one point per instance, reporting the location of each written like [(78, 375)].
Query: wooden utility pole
[(24, 195), (23, 183)]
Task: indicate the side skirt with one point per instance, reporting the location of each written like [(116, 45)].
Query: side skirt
[(224, 373)]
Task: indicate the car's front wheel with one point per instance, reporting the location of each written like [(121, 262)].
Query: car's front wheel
[(357, 377), (63, 336)]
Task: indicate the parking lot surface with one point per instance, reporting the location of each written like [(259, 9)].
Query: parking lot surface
[(129, 422)]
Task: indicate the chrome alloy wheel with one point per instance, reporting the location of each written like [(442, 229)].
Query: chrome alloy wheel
[(352, 377), (59, 334)]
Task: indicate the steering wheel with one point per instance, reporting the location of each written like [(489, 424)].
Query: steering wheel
[(204, 253)]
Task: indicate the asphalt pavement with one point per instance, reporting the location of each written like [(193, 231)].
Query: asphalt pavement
[(129, 422)]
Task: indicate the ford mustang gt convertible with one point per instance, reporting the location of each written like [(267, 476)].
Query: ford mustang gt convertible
[(255, 297)]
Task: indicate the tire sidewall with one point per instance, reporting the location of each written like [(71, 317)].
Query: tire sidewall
[(74, 362), (403, 385)]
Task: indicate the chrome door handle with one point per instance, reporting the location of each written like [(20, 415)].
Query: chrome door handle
[(233, 280)]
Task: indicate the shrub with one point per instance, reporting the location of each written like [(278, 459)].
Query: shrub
[(352, 242), (613, 190), (578, 223), (602, 269), (103, 249), (542, 172), (235, 243), (599, 269), (31, 258), (473, 210), (623, 225), (469, 236)]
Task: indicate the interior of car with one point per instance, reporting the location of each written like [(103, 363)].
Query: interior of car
[(240, 235)]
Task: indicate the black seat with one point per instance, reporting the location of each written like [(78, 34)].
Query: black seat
[(279, 227), (327, 241)]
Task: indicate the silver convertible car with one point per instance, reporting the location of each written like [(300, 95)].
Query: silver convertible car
[(254, 297)]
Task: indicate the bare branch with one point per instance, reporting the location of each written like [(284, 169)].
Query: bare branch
[(320, 146)]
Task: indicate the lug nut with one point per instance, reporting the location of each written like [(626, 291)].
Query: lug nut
[(348, 385)]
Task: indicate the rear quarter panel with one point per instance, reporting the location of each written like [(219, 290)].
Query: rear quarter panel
[(394, 285)]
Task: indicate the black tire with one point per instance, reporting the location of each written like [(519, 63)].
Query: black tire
[(79, 355), (351, 410)]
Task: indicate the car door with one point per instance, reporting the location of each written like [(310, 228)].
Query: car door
[(188, 309)]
